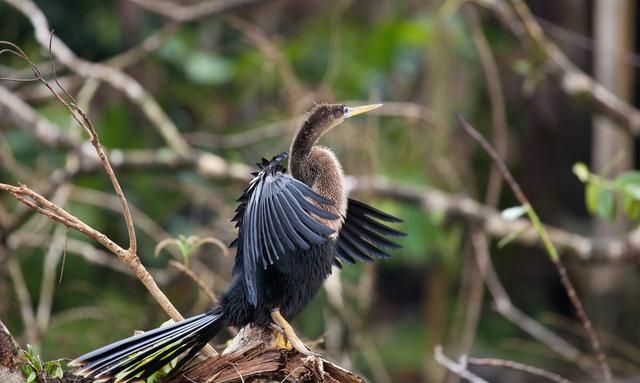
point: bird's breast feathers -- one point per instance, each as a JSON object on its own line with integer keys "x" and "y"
{"x": 328, "y": 181}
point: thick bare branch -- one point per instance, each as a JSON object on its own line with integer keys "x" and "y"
{"x": 464, "y": 209}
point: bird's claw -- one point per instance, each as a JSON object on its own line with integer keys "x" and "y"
{"x": 280, "y": 340}
{"x": 291, "y": 340}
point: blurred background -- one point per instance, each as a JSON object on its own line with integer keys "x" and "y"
{"x": 550, "y": 84}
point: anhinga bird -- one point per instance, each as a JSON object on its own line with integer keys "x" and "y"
{"x": 291, "y": 230}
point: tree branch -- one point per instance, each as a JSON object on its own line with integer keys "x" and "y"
{"x": 459, "y": 368}
{"x": 184, "y": 13}
{"x": 504, "y": 306}
{"x": 49, "y": 209}
{"x": 549, "y": 247}
{"x": 573, "y": 81}
{"x": 519, "y": 367}
{"x": 114, "y": 77}
{"x": 38, "y": 126}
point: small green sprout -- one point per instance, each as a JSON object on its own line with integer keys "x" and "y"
{"x": 188, "y": 245}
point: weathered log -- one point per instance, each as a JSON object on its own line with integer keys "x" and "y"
{"x": 250, "y": 356}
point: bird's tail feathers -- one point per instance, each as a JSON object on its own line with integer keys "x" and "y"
{"x": 140, "y": 356}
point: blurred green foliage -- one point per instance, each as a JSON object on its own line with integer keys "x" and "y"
{"x": 605, "y": 197}
{"x": 210, "y": 78}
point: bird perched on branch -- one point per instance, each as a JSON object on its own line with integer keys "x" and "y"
{"x": 292, "y": 228}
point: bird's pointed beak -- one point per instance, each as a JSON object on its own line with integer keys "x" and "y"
{"x": 356, "y": 110}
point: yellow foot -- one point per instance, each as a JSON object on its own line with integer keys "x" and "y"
{"x": 281, "y": 342}
{"x": 291, "y": 336}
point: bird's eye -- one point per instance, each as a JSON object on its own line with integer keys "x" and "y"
{"x": 343, "y": 110}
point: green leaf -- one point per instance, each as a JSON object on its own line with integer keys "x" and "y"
{"x": 58, "y": 373}
{"x": 53, "y": 369}
{"x": 628, "y": 178}
{"x": 33, "y": 358}
{"x": 632, "y": 190}
{"x": 49, "y": 367}
{"x": 513, "y": 213}
{"x": 32, "y": 377}
{"x": 631, "y": 207}
{"x": 600, "y": 201}
{"x": 27, "y": 369}
{"x": 581, "y": 171}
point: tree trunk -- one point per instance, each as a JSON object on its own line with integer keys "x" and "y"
{"x": 612, "y": 148}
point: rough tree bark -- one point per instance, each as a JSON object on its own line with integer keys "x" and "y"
{"x": 9, "y": 357}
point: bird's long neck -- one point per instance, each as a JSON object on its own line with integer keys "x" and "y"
{"x": 318, "y": 167}
{"x": 301, "y": 147}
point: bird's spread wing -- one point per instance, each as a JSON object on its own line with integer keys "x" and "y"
{"x": 275, "y": 218}
{"x": 363, "y": 237}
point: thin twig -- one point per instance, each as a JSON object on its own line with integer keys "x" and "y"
{"x": 25, "y": 301}
{"x": 120, "y": 61}
{"x": 45, "y": 207}
{"x": 110, "y": 202}
{"x": 48, "y": 283}
{"x": 504, "y": 306}
{"x": 191, "y": 274}
{"x": 459, "y": 368}
{"x": 548, "y": 244}
{"x": 237, "y": 140}
{"x": 295, "y": 89}
{"x": 74, "y": 246}
{"x": 471, "y": 290}
{"x": 518, "y": 366}
{"x": 41, "y": 128}
{"x": 112, "y": 76}
{"x": 496, "y": 100}
{"x": 617, "y": 344}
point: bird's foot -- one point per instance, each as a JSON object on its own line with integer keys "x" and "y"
{"x": 280, "y": 341}
{"x": 289, "y": 336}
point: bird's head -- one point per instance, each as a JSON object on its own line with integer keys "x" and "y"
{"x": 324, "y": 117}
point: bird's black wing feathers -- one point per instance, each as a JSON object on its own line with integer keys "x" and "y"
{"x": 274, "y": 218}
{"x": 364, "y": 238}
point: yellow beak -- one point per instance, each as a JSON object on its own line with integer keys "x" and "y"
{"x": 356, "y": 110}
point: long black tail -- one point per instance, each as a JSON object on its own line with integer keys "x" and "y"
{"x": 140, "y": 356}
